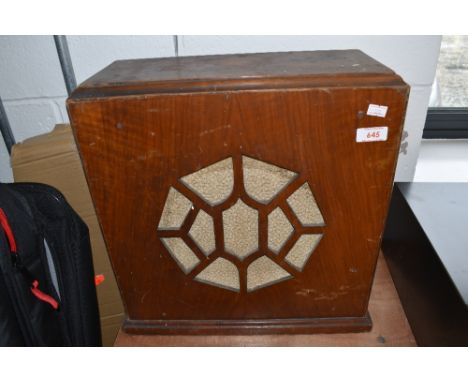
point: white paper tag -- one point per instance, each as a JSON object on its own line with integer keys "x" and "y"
{"x": 377, "y": 110}
{"x": 372, "y": 134}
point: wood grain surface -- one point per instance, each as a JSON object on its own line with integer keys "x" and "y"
{"x": 237, "y": 72}
{"x": 390, "y": 328}
{"x": 134, "y": 148}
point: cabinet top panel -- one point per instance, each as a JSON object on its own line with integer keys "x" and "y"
{"x": 237, "y": 72}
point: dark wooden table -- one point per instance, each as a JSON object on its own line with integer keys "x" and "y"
{"x": 426, "y": 247}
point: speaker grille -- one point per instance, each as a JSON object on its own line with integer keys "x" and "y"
{"x": 181, "y": 253}
{"x": 264, "y": 272}
{"x": 221, "y": 273}
{"x": 263, "y": 181}
{"x": 304, "y": 206}
{"x": 240, "y": 225}
{"x": 202, "y": 232}
{"x": 238, "y": 236}
{"x": 303, "y": 248}
{"x": 175, "y": 211}
{"x": 279, "y": 230}
{"x": 213, "y": 183}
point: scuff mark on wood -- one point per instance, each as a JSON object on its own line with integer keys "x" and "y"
{"x": 215, "y": 129}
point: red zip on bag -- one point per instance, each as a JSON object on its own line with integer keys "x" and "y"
{"x": 13, "y": 249}
{"x": 8, "y": 232}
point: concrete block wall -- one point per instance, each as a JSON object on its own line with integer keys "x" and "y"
{"x": 33, "y": 90}
{"x": 32, "y": 85}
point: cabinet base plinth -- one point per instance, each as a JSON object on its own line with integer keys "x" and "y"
{"x": 250, "y": 327}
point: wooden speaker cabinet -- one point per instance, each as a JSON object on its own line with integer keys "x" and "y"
{"x": 242, "y": 193}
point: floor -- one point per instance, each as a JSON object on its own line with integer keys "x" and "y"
{"x": 390, "y": 328}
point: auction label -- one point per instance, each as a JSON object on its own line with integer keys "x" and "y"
{"x": 372, "y": 134}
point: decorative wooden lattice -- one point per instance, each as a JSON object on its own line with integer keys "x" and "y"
{"x": 241, "y": 224}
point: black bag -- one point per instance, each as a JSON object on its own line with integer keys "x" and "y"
{"x": 47, "y": 290}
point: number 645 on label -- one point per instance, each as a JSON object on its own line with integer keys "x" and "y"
{"x": 372, "y": 134}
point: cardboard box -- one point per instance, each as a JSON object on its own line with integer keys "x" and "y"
{"x": 53, "y": 159}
